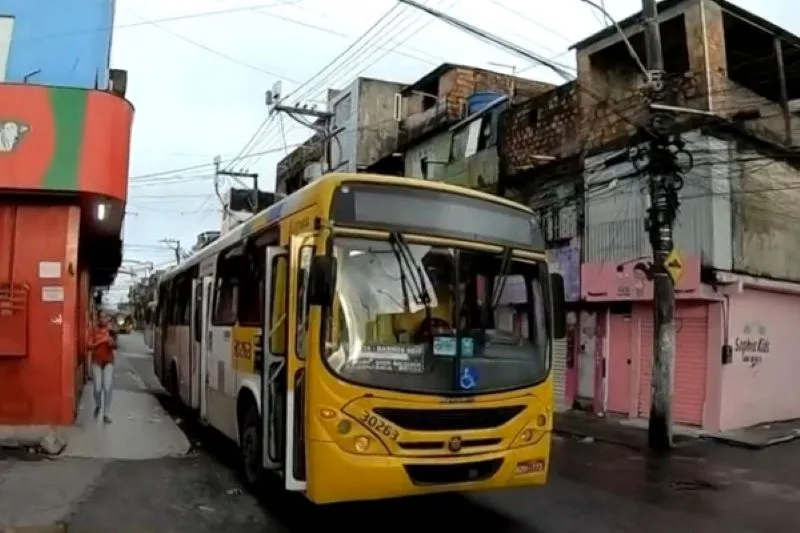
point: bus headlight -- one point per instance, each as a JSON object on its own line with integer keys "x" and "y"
{"x": 533, "y": 432}
{"x": 361, "y": 444}
{"x": 528, "y": 436}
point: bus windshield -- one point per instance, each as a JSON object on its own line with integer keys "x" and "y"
{"x": 436, "y": 320}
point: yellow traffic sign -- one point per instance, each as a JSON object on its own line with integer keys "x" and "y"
{"x": 674, "y": 265}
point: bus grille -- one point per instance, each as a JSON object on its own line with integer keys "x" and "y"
{"x": 440, "y": 445}
{"x": 459, "y": 473}
{"x": 449, "y": 419}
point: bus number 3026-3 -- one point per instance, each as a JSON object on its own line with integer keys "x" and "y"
{"x": 379, "y": 426}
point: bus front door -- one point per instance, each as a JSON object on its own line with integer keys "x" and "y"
{"x": 302, "y": 252}
{"x": 196, "y": 383}
{"x": 273, "y": 368}
{"x": 205, "y": 346}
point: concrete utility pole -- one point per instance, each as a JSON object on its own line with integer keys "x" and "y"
{"x": 664, "y": 182}
{"x": 250, "y": 175}
{"x": 175, "y": 245}
{"x": 326, "y": 130}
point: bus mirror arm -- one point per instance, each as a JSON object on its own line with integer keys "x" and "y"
{"x": 559, "y": 306}
{"x": 321, "y": 280}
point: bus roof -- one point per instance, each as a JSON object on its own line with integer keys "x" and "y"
{"x": 322, "y": 187}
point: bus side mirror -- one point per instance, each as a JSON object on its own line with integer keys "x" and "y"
{"x": 559, "y": 306}
{"x": 321, "y": 280}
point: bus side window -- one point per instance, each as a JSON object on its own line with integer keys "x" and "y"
{"x": 251, "y": 289}
{"x": 163, "y": 307}
{"x": 226, "y": 288}
{"x": 173, "y": 313}
{"x": 198, "y": 314}
{"x": 277, "y": 319}
{"x": 185, "y": 301}
{"x": 176, "y": 307}
{"x": 306, "y": 253}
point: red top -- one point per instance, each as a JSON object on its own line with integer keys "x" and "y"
{"x": 103, "y": 353}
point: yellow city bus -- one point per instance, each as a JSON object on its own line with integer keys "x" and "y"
{"x": 371, "y": 337}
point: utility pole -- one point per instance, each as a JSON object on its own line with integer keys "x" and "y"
{"x": 660, "y": 162}
{"x": 175, "y": 245}
{"x": 250, "y": 175}
{"x": 326, "y": 130}
{"x": 664, "y": 182}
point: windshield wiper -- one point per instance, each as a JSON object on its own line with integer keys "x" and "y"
{"x": 403, "y": 278}
{"x": 502, "y": 277}
{"x": 405, "y": 260}
{"x": 408, "y": 271}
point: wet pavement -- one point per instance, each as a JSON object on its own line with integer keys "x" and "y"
{"x": 594, "y": 488}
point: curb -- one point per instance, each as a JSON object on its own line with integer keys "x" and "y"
{"x": 749, "y": 445}
{"x": 51, "y": 444}
{"x": 600, "y": 438}
{"x": 681, "y": 441}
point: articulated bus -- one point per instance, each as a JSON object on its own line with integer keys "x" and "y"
{"x": 350, "y": 339}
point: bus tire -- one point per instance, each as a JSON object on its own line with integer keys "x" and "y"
{"x": 250, "y": 448}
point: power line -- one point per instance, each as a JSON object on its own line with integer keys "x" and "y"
{"x": 433, "y": 61}
{"x": 261, "y": 128}
{"x": 346, "y": 68}
{"x": 208, "y": 49}
{"x": 188, "y": 16}
{"x": 203, "y": 166}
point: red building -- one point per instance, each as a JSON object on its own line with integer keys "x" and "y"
{"x": 63, "y": 183}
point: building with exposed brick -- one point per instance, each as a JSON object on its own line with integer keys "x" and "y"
{"x": 385, "y": 119}
{"x": 739, "y": 286}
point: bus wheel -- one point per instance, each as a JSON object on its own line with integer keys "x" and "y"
{"x": 250, "y": 449}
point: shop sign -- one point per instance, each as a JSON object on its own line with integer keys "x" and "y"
{"x": 753, "y": 344}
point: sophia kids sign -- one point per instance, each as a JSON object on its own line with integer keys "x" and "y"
{"x": 753, "y": 344}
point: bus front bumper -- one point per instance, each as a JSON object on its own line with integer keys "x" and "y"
{"x": 335, "y": 475}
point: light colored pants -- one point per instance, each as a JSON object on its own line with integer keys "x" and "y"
{"x": 103, "y": 383}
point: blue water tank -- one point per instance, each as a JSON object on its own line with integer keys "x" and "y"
{"x": 479, "y": 101}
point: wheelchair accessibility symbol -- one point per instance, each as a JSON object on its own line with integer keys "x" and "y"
{"x": 469, "y": 378}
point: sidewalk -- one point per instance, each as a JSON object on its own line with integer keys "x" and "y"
{"x": 631, "y": 433}
{"x": 760, "y": 436}
{"x": 38, "y": 492}
{"x": 140, "y": 428}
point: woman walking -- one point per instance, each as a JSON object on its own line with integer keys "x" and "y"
{"x": 102, "y": 344}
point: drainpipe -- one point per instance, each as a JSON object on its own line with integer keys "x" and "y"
{"x": 705, "y": 55}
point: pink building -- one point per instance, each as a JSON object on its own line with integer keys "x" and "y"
{"x": 763, "y": 330}
{"x": 715, "y": 388}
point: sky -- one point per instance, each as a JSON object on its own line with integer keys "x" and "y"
{"x": 198, "y": 71}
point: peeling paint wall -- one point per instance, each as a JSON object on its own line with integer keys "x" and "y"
{"x": 377, "y": 129}
{"x": 616, "y": 205}
{"x": 435, "y": 150}
{"x": 766, "y": 204}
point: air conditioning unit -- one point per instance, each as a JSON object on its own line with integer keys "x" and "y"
{"x": 397, "y": 108}
{"x": 118, "y": 82}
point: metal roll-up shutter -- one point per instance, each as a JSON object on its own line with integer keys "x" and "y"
{"x": 691, "y": 363}
{"x": 560, "y": 375}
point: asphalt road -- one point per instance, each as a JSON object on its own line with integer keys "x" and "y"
{"x": 594, "y": 488}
